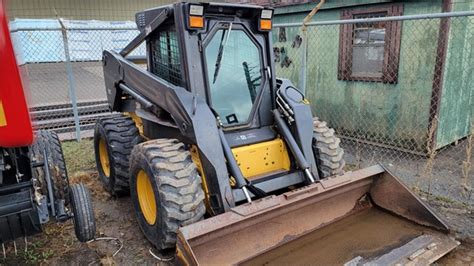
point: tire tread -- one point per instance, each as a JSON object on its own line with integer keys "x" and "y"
{"x": 84, "y": 221}
{"x": 179, "y": 185}
{"x": 122, "y": 135}
{"x": 326, "y": 146}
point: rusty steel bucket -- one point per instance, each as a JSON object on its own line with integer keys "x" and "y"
{"x": 363, "y": 217}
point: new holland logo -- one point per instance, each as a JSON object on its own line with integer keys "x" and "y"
{"x": 3, "y": 119}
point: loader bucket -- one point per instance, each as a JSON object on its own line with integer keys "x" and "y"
{"x": 363, "y": 217}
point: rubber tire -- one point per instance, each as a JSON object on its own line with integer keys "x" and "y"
{"x": 121, "y": 135}
{"x": 49, "y": 141}
{"x": 84, "y": 220}
{"x": 179, "y": 196}
{"x": 327, "y": 150}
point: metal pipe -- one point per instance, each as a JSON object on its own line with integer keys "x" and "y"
{"x": 309, "y": 175}
{"x": 137, "y": 59}
{"x": 304, "y": 59}
{"x": 71, "y": 81}
{"x": 233, "y": 167}
{"x": 73, "y": 29}
{"x": 146, "y": 104}
{"x": 297, "y": 24}
{"x": 381, "y": 19}
{"x": 246, "y": 193}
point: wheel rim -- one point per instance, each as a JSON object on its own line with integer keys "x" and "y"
{"x": 146, "y": 197}
{"x": 104, "y": 157}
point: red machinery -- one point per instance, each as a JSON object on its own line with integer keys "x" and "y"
{"x": 34, "y": 186}
{"x": 15, "y": 125}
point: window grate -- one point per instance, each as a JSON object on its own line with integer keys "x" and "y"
{"x": 166, "y": 58}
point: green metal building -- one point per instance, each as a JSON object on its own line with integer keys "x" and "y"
{"x": 412, "y": 90}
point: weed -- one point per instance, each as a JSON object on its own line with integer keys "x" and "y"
{"x": 466, "y": 165}
{"x": 428, "y": 168}
{"x": 34, "y": 257}
{"x": 35, "y": 253}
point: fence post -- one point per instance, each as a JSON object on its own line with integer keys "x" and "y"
{"x": 71, "y": 81}
{"x": 302, "y": 83}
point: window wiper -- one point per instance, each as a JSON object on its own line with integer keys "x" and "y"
{"x": 224, "y": 40}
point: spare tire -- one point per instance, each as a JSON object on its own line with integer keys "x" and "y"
{"x": 49, "y": 141}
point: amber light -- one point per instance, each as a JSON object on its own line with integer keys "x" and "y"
{"x": 265, "y": 24}
{"x": 196, "y": 22}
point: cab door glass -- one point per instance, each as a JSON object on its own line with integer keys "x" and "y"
{"x": 234, "y": 74}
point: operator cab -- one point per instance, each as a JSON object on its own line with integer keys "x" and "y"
{"x": 233, "y": 55}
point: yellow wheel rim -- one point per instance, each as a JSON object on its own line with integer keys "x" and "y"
{"x": 146, "y": 197}
{"x": 104, "y": 157}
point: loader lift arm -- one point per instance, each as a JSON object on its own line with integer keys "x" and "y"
{"x": 190, "y": 113}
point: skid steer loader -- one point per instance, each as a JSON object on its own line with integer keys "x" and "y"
{"x": 225, "y": 163}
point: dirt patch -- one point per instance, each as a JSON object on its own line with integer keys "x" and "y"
{"x": 115, "y": 218}
{"x": 460, "y": 218}
{"x": 444, "y": 176}
{"x": 91, "y": 180}
{"x": 463, "y": 255}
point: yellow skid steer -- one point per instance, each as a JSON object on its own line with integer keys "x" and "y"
{"x": 225, "y": 163}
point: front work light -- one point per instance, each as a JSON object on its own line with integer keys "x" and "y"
{"x": 265, "y": 23}
{"x": 196, "y": 19}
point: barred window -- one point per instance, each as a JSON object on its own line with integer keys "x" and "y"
{"x": 166, "y": 62}
{"x": 370, "y": 51}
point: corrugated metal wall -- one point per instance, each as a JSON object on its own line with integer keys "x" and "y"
{"x": 393, "y": 112}
{"x": 456, "y": 115}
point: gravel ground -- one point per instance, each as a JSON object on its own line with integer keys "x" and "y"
{"x": 442, "y": 177}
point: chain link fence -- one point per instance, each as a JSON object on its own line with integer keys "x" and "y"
{"x": 63, "y": 64}
{"x": 397, "y": 90}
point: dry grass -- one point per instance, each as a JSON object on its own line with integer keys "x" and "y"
{"x": 466, "y": 166}
{"x": 427, "y": 170}
{"x": 91, "y": 180}
{"x": 79, "y": 156}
